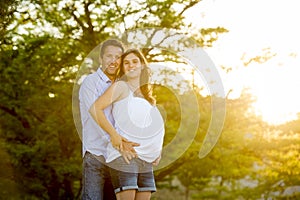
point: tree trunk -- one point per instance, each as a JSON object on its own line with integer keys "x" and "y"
{"x": 187, "y": 193}
{"x": 68, "y": 192}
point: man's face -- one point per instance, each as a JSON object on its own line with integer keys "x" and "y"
{"x": 111, "y": 60}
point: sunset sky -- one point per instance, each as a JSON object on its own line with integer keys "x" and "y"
{"x": 255, "y": 28}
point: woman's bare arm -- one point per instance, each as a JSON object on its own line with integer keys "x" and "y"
{"x": 115, "y": 92}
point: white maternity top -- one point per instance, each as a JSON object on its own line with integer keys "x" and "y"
{"x": 138, "y": 121}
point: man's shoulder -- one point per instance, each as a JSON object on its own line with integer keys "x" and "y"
{"x": 90, "y": 78}
{"x": 88, "y": 83}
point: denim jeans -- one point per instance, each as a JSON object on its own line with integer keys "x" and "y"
{"x": 96, "y": 179}
{"x": 138, "y": 175}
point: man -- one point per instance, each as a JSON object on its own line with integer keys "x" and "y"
{"x": 95, "y": 176}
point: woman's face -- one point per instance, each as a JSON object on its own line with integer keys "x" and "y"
{"x": 132, "y": 66}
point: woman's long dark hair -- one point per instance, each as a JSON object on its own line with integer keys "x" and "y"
{"x": 145, "y": 86}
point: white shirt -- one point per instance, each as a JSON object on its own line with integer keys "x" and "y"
{"x": 138, "y": 121}
{"x": 94, "y": 138}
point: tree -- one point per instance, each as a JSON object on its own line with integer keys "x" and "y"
{"x": 42, "y": 46}
{"x": 279, "y": 160}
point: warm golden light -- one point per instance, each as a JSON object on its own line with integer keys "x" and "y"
{"x": 276, "y": 88}
{"x": 253, "y": 26}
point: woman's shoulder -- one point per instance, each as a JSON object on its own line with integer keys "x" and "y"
{"x": 121, "y": 88}
{"x": 120, "y": 85}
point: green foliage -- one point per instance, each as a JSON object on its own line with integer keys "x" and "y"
{"x": 40, "y": 137}
{"x": 42, "y": 44}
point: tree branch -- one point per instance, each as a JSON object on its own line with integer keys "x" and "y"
{"x": 191, "y": 4}
{"x": 13, "y": 113}
{"x": 87, "y": 14}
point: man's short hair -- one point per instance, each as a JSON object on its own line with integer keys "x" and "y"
{"x": 110, "y": 42}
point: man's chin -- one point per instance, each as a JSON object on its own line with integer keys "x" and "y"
{"x": 111, "y": 72}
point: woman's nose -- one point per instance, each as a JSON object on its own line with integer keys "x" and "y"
{"x": 131, "y": 65}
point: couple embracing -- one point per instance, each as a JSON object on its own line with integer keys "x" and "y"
{"x": 122, "y": 129}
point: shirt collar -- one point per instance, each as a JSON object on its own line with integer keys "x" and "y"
{"x": 103, "y": 76}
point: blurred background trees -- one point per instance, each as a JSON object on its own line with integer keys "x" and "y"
{"x": 43, "y": 44}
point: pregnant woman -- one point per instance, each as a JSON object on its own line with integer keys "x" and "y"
{"x": 138, "y": 120}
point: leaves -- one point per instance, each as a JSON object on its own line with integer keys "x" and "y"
{"x": 42, "y": 46}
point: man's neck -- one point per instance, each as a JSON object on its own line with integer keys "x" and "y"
{"x": 111, "y": 77}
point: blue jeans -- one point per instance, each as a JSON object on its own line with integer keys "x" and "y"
{"x": 138, "y": 175}
{"x": 96, "y": 179}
